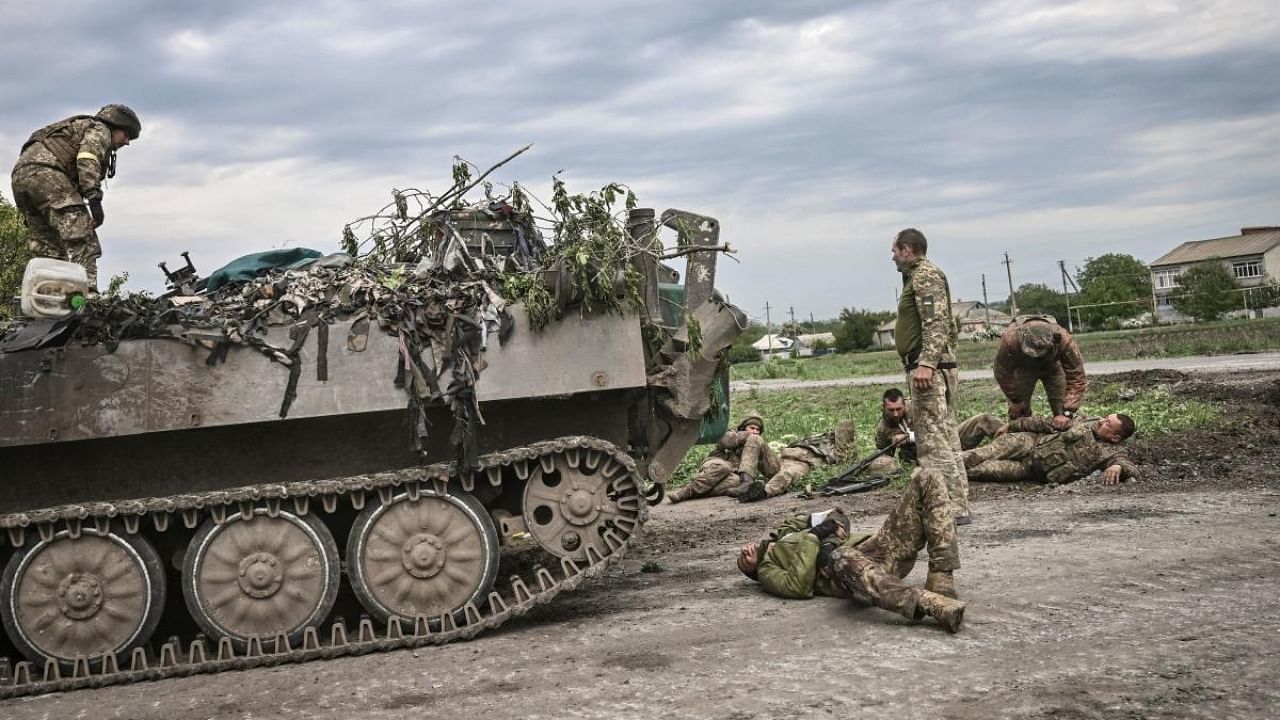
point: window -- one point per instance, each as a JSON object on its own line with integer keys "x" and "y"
{"x": 1167, "y": 278}
{"x": 1246, "y": 269}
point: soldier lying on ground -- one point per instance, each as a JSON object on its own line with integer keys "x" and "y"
{"x": 802, "y": 456}
{"x": 1034, "y": 348}
{"x": 740, "y": 457}
{"x": 803, "y": 558}
{"x": 893, "y": 426}
{"x": 1030, "y": 449}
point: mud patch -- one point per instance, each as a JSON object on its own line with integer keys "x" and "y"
{"x": 404, "y": 701}
{"x": 1119, "y": 514}
{"x": 643, "y": 660}
{"x": 1002, "y": 536}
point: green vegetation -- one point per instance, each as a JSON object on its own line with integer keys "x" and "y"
{"x": 1114, "y": 278}
{"x": 1040, "y": 299}
{"x": 1208, "y": 291}
{"x": 1219, "y": 338}
{"x": 793, "y": 414}
{"x": 13, "y": 255}
{"x": 857, "y": 329}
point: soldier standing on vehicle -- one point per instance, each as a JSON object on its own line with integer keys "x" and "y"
{"x": 801, "y": 457}
{"x": 57, "y": 183}
{"x": 738, "y": 459}
{"x": 1035, "y": 348}
{"x": 925, "y": 335}
{"x": 810, "y": 556}
{"x": 1030, "y": 449}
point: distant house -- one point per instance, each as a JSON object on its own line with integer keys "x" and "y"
{"x": 1253, "y": 257}
{"x": 771, "y": 346}
{"x": 806, "y": 344}
{"x": 972, "y": 316}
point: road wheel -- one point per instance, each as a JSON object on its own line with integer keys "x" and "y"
{"x": 428, "y": 556}
{"x": 95, "y": 594}
{"x": 260, "y": 577}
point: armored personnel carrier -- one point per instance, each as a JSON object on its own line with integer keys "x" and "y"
{"x": 336, "y": 484}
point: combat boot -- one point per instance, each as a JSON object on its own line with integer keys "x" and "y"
{"x": 942, "y": 583}
{"x": 676, "y": 496}
{"x": 949, "y": 613}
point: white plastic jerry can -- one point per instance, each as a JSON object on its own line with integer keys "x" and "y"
{"x": 53, "y": 288}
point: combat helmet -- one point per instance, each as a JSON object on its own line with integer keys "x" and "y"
{"x": 121, "y": 116}
{"x": 751, "y": 418}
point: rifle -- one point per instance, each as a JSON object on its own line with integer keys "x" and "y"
{"x": 843, "y": 484}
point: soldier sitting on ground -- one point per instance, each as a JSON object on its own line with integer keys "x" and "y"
{"x": 804, "y": 558}
{"x": 1029, "y": 449}
{"x": 739, "y": 458}
{"x": 799, "y": 458}
{"x": 894, "y": 428}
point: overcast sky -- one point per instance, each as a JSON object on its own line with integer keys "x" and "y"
{"x": 812, "y": 130}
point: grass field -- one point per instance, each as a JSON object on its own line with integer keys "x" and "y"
{"x": 792, "y": 414}
{"x": 1221, "y": 338}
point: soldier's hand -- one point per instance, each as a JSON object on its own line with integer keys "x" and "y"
{"x": 1111, "y": 475}
{"x": 1061, "y": 422}
{"x": 922, "y": 379}
{"x": 95, "y": 210}
{"x": 1003, "y": 429}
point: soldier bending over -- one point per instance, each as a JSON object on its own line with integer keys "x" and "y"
{"x": 801, "y": 559}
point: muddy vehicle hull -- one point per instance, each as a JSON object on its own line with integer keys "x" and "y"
{"x": 167, "y": 512}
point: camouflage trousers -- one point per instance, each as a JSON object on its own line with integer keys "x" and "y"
{"x": 933, "y": 417}
{"x": 872, "y": 571}
{"x": 1024, "y": 381}
{"x": 57, "y": 219}
{"x": 1006, "y": 459}
{"x": 978, "y": 428}
{"x": 718, "y": 476}
{"x": 882, "y": 466}
{"x": 796, "y": 463}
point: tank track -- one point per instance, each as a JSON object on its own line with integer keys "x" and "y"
{"x": 174, "y": 658}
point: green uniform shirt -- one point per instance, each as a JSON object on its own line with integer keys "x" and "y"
{"x": 924, "y": 324}
{"x": 789, "y": 568}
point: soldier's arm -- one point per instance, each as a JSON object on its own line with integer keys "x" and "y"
{"x": 790, "y": 567}
{"x": 1031, "y": 424}
{"x": 91, "y": 157}
{"x": 1006, "y": 361}
{"x": 1073, "y": 367}
{"x": 1118, "y": 467}
{"x": 884, "y": 437}
{"x": 931, "y": 302}
{"x": 769, "y": 463}
{"x": 732, "y": 440}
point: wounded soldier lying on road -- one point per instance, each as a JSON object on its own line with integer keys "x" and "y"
{"x": 1029, "y": 449}
{"x": 803, "y": 558}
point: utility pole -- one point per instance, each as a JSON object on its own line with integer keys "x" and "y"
{"x": 768, "y": 329}
{"x": 985, "y": 306}
{"x": 1013, "y": 301}
{"x": 792, "y": 310}
{"x": 1062, "y": 267}
{"x": 813, "y": 324}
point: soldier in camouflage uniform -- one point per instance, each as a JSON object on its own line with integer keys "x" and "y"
{"x": 1034, "y": 348}
{"x": 804, "y": 558}
{"x": 1032, "y": 450}
{"x": 57, "y": 183}
{"x": 925, "y": 335}
{"x": 802, "y": 456}
{"x": 893, "y": 428}
{"x": 739, "y": 458}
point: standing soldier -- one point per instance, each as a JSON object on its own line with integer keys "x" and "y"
{"x": 802, "y": 456}
{"x": 925, "y": 335}
{"x": 1036, "y": 348}
{"x": 57, "y": 183}
{"x": 739, "y": 458}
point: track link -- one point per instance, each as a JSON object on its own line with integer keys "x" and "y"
{"x": 176, "y": 658}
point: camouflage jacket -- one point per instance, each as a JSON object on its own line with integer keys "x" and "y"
{"x": 1072, "y": 453}
{"x": 79, "y": 146}
{"x": 789, "y": 568}
{"x": 925, "y": 332}
{"x": 1010, "y": 361}
{"x": 884, "y": 437}
{"x": 729, "y": 447}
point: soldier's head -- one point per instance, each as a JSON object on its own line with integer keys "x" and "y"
{"x": 124, "y": 123}
{"x": 893, "y": 405}
{"x": 1115, "y": 428}
{"x": 909, "y": 245}
{"x": 1037, "y": 338}
{"x": 749, "y": 557}
{"x": 752, "y": 422}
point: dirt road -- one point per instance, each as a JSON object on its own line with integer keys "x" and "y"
{"x": 1156, "y": 599}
